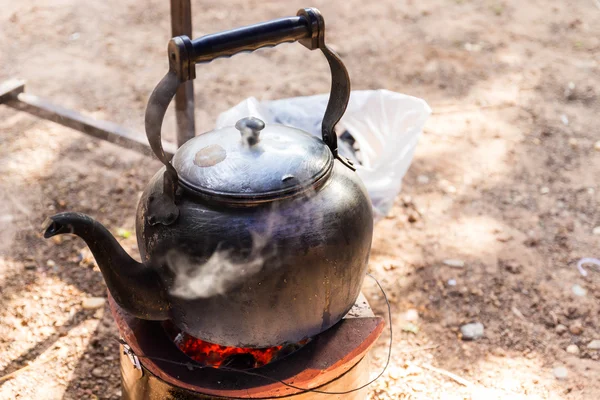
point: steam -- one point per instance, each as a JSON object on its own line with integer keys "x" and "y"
{"x": 226, "y": 268}
{"x": 220, "y": 273}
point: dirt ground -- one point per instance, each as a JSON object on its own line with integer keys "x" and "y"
{"x": 504, "y": 182}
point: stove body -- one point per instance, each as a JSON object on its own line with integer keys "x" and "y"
{"x": 337, "y": 360}
{"x": 143, "y": 384}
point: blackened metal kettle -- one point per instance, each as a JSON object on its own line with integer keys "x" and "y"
{"x": 250, "y": 236}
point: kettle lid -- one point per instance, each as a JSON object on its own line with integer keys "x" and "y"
{"x": 252, "y": 161}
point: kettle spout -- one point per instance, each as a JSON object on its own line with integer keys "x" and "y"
{"x": 135, "y": 287}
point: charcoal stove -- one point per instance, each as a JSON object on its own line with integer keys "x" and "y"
{"x": 336, "y": 361}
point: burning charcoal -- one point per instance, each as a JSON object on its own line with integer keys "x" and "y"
{"x": 217, "y": 356}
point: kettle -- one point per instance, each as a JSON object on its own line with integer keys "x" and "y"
{"x": 256, "y": 235}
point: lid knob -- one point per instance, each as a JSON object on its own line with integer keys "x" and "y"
{"x": 250, "y": 128}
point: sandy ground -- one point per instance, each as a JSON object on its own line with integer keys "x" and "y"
{"x": 504, "y": 180}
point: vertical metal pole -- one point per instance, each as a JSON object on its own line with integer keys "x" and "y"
{"x": 181, "y": 24}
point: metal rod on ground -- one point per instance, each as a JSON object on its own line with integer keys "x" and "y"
{"x": 12, "y": 94}
{"x": 181, "y": 24}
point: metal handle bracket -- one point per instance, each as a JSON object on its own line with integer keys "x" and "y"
{"x": 307, "y": 27}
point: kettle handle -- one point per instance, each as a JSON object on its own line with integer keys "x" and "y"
{"x": 307, "y": 27}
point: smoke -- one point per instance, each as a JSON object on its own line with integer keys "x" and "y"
{"x": 220, "y": 273}
{"x": 225, "y": 269}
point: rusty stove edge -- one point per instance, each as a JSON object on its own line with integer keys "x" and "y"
{"x": 309, "y": 378}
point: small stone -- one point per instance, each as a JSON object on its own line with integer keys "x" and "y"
{"x": 454, "y": 263}
{"x": 597, "y": 146}
{"x": 411, "y": 315}
{"x": 472, "y": 331}
{"x": 447, "y": 187}
{"x": 573, "y": 142}
{"x": 576, "y": 328}
{"x": 594, "y": 344}
{"x": 564, "y": 119}
{"x": 99, "y": 313}
{"x": 410, "y": 328}
{"x": 560, "y": 329}
{"x": 560, "y": 372}
{"x": 596, "y": 230}
{"x": 423, "y": 179}
{"x": 572, "y": 349}
{"x": 407, "y": 201}
{"x": 518, "y": 313}
{"x": 450, "y": 189}
{"x": 451, "y": 282}
{"x": 92, "y": 303}
{"x": 578, "y": 290}
{"x": 50, "y": 263}
{"x": 473, "y": 47}
{"x": 544, "y": 190}
{"x": 499, "y": 352}
{"x": 570, "y": 91}
{"x": 98, "y": 373}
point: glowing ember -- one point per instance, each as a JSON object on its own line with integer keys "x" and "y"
{"x": 217, "y": 356}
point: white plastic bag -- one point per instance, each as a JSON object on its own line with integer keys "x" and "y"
{"x": 385, "y": 125}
